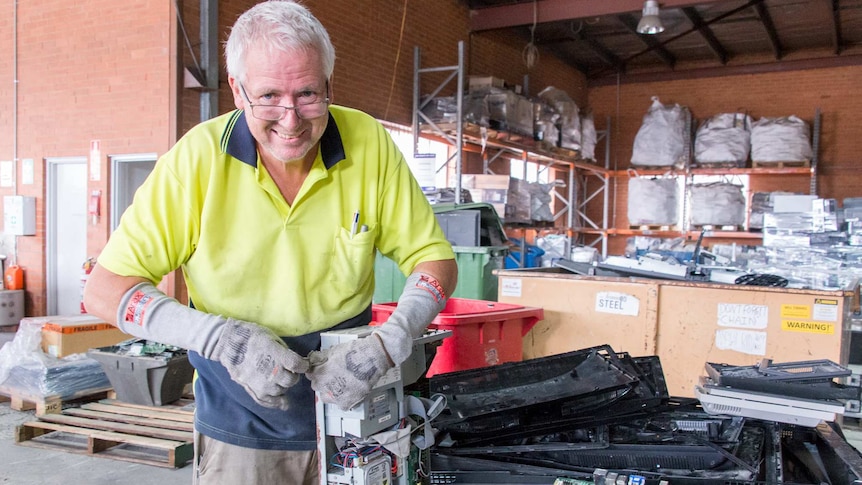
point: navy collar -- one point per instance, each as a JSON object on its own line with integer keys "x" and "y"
{"x": 238, "y": 142}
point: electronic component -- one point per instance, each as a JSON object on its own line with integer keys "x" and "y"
{"x": 356, "y": 446}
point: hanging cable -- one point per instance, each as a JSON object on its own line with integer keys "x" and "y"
{"x": 531, "y": 52}
{"x": 397, "y": 56}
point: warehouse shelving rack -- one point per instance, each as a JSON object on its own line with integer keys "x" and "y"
{"x": 585, "y": 181}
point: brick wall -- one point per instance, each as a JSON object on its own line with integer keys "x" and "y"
{"x": 84, "y": 73}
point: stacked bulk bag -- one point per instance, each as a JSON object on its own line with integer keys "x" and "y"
{"x": 663, "y": 139}
{"x": 785, "y": 139}
{"x": 653, "y": 201}
{"x": 723, "y": 139}
{"x": 717, "y": 204}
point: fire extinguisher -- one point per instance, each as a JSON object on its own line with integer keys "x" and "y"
{"x": 87, "y": 268}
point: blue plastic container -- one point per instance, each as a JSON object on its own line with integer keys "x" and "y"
{"x": 533, "y": 257}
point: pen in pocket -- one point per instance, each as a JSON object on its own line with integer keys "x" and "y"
{"x": 355, "y": 223}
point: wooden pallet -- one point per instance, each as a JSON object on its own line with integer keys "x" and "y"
{"x": 655, "y": 227}
{"x": 718, "y": 165}
{"x": 160, "y": 436}
{"x": 22, "y": 401}
{"x": 565, "y": 152}
{"x": 717, "y": 228}
{"x": 785, "y": 164}
{"x": 478, "y": 133}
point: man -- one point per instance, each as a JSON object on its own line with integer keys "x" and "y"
{"x": 274, "y": 212}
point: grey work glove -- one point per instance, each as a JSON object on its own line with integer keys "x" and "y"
{"x": 420, "y": 302}
{"x": 254, "y": 356}
{"x": 345, "y": 373}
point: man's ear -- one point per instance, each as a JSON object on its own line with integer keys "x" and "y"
{"x": 238, "y": 100}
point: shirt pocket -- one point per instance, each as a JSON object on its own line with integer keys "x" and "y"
{"x": 353, "y": 260}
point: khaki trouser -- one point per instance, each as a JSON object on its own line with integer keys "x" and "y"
{"x": 218, "y": 463}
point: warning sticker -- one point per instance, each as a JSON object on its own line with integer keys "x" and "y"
{"x": 796, "y": 311}
{"x": 808, "y": 327}
{"x": 825, "y": 309}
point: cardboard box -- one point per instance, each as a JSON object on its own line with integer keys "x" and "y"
{"x": 66, "y": 335}
{"x": 476, "y": 83}
{"x": 484, "y": 181}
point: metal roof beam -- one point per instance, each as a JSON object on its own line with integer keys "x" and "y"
{"x": 769, "y": 26}
{"x": 707, "y": 34}
{"x": 521, "y": 14}
{"x": 837, "y": 38}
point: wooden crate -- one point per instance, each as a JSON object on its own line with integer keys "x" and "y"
{"x": 686, "y": 324}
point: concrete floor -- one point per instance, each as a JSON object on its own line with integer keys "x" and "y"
{"x": 22, "y": 465}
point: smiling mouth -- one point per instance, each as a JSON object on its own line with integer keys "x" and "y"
{"x": 288, "y": 137}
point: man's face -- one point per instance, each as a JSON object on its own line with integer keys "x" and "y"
{"x": 286, "y": 79}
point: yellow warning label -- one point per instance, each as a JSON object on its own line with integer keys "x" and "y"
{"x": 796, "y": 311}
{"x": 823, "y": 301}
{"x": 809, "y": 327}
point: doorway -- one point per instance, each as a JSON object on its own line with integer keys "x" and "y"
{"x": 66, "y": 232}
{"x": 128, "y": 172}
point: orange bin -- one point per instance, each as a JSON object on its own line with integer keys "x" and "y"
{"x": 484, "y": 332}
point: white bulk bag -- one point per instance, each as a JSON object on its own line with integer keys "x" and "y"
{"x": 662, "y": 140}
{"x": 717, "y": 204}
{"x": 653, "y": 201}
{"x": 588, "y": 137}
{"x": 724, "y": 138}
{"x": 784, "y": 139}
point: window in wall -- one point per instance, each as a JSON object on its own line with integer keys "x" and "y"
{"x": 430, "y": 167}
{"x": 128, "y": 172}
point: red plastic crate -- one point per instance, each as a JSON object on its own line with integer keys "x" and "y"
{"x": 484, "y": 332}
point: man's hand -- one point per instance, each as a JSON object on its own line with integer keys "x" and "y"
{"x": 259, "y": 361}
{"x": 345, "y": 373}
{"x": 253, "y": 355}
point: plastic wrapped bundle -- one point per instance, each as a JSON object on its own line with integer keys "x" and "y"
{"x": 26, "y": 370}
{"x": 784, "y": 139}
{"x": 588, "y": 137}
{"x": 569, "y": 121}
{"x": 662, "y": 140}
{"x": 653, "y": 201}
{"x": 717, "y": 204}
{"x": 723, "y": 139}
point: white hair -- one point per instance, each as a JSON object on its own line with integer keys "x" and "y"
{"x": 282, "y": 25}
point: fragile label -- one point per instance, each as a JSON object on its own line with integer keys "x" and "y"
{"x": 796, "y": 311}
{"x": 808, "y": 327}
{"x": 825, "y": 310}
{"x": 617, "y": 303}
{"x": 742, "y": 316}
{"x": 745, "y": 341}
{"x": 510, "y": 287}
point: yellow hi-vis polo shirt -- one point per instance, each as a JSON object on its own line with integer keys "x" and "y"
{"x": 211, "y": 208}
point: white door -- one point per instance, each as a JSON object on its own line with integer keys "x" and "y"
{"x": 66, "y": 232}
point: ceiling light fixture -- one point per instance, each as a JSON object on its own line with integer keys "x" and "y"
{"x": 650, "y": 22}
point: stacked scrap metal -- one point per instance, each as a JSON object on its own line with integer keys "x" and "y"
{"x": 803, "y": 393}
{"x": 600, "y": 416}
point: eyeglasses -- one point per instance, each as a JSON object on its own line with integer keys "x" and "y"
{"x": 274, "y": 112}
